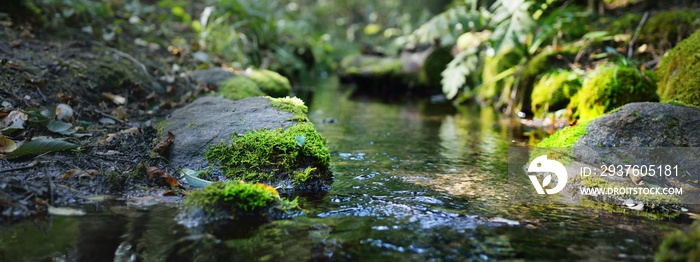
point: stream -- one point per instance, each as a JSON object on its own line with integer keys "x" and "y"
{"x": 413, "y": 181}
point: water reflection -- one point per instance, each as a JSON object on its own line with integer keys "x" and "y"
{"x": 413, "y": 181}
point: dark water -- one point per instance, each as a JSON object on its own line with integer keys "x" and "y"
{"x": 413, "y": 181}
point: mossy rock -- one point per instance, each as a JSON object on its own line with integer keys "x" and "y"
{"x": 238, "y": 201}
{"x": 681, "y": 245}
{"x": 545, "y": 61}
{"x": 240, "y": 87}
{"x": 295, "y": 157}
{"x": 367, "y": 65}
{"x": 271, "y": 83}
{"x": 256, "y": 139}
{"x": 625, "y": 24}
{"x": 554, "y": 91}
{"x": 434, "y": 64}
{"x": 610, "y": 88}
{"x": 666, "y": 29}
{"x": 678, "y": 77}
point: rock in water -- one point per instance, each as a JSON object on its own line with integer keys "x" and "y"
{"x": 253, "y": 139}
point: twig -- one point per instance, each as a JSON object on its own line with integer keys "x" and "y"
{"x": 110, "y": 117}
{"x": 127, "y": 56}
{"x": 32, "y": 164}
{"x": 630, "y": 47}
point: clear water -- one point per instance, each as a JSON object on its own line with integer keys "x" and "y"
{"x": 413, "y": 181}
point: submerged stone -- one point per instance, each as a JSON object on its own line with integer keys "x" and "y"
{"x": 236, "y": 201}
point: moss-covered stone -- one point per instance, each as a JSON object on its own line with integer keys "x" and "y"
{"x": 610, "y": 88}
{"x": 567, "y": 137}
{"x": 434, "y": 64}
{"x": 363, "y": 65}
{"x": 280, "y": 155}
{"x": 240, "y": 87}
{"x": 678, "y": 77}
{"x": 238, "y": 200}
{"x": 666, "y": 29}
{"x": 681, "y": 245}
{"x": 271, "y": 83}
{"x": 293, "y": 105}
{"x": 554, "y": 91}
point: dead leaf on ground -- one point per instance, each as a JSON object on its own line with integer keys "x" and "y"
{"x": 79, "y": 173}
{"x": 7, "y": 145}
{"x": 109, "y": 137}
{"x": 64, "y": 112}
{"x": 154, "y": 172}
{"x": 164, "y": 144}
{"x": 117, "y": 99}
{"x": 120, "y": 113}
{"x": 13, "y": 120}
{"x": 170, "y": 193}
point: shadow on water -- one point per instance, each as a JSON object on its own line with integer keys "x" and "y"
{"x": 413, "y": 181}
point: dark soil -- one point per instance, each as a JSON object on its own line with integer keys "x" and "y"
{"x": 41, "y": 67}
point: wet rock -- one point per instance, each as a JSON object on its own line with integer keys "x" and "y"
{"x": 259, "y": 139}
{"x": 645, "y": 134}
{"x": 649, "y": 125}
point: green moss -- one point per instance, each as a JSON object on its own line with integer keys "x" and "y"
{"x": 567, "y": 137}
{"x": 293, "y": 105}
{"x": 234, "y": 196}
{"x": 271, "y": 83}
{"x": 681, "y": 245}
{"x": 279, "y": 152}
{"x": 434, "y": 64}
{"x": 554, "y": 91}
{"x": 625, "y": 24}
{"x": 160, "y": 128}
{"x": 370, "y": 65}
{"x": 302, "y": 176}
{"x": 666, "y": 29}
{"x": 678, "y": 72}
{"x": 611, "y": 88}
{"x": 240, "y": 87}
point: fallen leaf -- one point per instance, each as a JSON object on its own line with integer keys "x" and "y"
{"x": 120, "y": 113}
{"x": 7, "y": 145}
{"x": 13, "y": 121}
{"x": 40, "y": 201}
{"x": 63, "y": 112}
{"x": 170, "y": 193}
{"x": 41, "y": 146}
{"x": 65, "y": 211}
{"x": 63, "y": 97}
{"x": 117, "y": 99}
{"x": 130, "y": 131}
{"x": 154, "y": 172}
{"x": 60, "y": 127}
{"x": 164, "y": 144}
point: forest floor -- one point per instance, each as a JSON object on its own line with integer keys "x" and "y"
{"x": 97, "y": 99}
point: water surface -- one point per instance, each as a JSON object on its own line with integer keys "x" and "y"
{"x": 413, "y": 181}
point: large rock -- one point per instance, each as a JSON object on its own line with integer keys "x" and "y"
{"x": 265, "y": 140}
{"x": 209, "y": 120}
{"x": 647, "y": 134}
